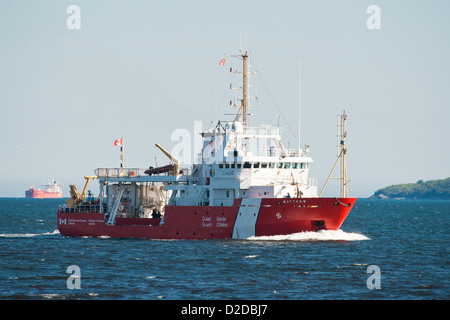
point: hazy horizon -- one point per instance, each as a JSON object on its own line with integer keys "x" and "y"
{"x": 144, "y": 69}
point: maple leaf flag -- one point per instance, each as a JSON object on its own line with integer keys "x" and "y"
{"x": 118, "y": 142}
{"x": 222, "y": 62}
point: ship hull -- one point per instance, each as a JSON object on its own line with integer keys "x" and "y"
{"x": 246, "y": 218}
{"x": 39, "y": 194}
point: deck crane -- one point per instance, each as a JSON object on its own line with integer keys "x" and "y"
{"x": 75, "y": 197}
{"x": 176, "y": 163}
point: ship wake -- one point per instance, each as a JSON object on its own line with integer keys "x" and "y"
{"x": 322, "y": 235}
{"x": 27, "y": 235}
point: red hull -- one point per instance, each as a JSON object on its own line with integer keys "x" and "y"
{"x": 39, "y": 194}
{"x": 248, "y": 217}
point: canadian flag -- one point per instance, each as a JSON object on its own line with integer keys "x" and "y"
{"x": 118, "y": 142}
{"x": 222, "y": 62}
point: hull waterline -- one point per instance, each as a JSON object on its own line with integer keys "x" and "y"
{"x": 250, "y": 217}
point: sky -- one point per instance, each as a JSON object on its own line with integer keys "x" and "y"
{"x": 144, "y": 69}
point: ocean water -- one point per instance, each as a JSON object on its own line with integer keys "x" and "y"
{"x": 406, "y": 241}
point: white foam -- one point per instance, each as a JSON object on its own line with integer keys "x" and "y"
{"x": 322, "y": 235}
{"x": 27, "y": 235}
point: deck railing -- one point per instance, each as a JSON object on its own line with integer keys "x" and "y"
{"x": 84, "y": 208}
{"x": 119, "y": 172}
{"x": 129, "y": 172}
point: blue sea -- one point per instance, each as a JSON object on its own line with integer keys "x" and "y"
{"x": 386, "y": 249}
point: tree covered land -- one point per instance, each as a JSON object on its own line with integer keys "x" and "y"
{"x": 433, "y": 189}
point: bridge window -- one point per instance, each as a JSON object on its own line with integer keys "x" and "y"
{"x": 279, "y": 165}
{"x": 247, "y": 165}
{"x": 294, "y": 165}
{"x": 256, "y": 165}
{"x": 287, "y": 165}
{"x": 271, "y": 165}
{"x": 263, "y": 165}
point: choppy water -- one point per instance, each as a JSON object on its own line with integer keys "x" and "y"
{"x": 407, "y": 239}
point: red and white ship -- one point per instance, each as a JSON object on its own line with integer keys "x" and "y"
{"x": 52, "y": 190}
{"x": 245, "y": 184}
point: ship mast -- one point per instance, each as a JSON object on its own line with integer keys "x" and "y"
{"x": 246, "y": 95}
{"x": 341, "y": 138}
{"x": 342, "y": 150}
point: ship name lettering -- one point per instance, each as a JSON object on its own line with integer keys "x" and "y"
{"x": 221, "y": 225}
{"x": 294, "y": 201}
{"x": 206, "y": 218}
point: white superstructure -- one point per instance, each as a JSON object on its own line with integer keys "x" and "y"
{"x": 253, "y": 164}
{"x": 53, "y": 186}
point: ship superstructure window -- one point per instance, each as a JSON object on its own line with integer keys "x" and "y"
{"x": 263, "y": 165}
{"x": 304, "y": 165}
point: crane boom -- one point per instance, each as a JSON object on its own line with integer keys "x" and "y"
{"x": 88, "y": 179}
{"x": 176, "y": 168}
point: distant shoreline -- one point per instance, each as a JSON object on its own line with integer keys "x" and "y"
{"x": 421, "y": 190}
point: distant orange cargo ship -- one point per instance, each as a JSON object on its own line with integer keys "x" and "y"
{"x": 53, "y": 190}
